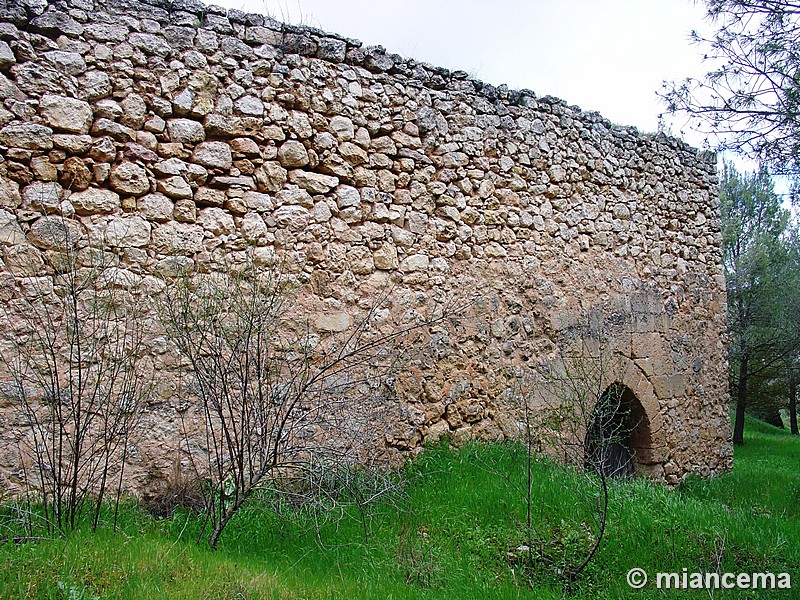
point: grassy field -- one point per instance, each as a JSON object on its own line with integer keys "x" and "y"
{"x": 455, "y": 535}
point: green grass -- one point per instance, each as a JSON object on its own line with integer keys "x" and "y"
{"x": 455, "y": 536}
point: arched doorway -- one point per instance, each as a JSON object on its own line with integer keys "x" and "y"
{"x": 618, "y": 440}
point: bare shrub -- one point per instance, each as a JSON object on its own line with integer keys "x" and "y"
{"x": 575, "y": 409}
{"x": 72, "y": 356}
{"x": 277, "y": 397}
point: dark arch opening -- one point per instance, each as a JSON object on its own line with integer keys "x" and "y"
{"x": 618, "y": 441}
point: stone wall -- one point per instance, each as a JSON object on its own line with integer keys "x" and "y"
{"x": 178, "y": 135}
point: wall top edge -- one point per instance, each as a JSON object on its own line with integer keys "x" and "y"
{"x": 67, "y": 16}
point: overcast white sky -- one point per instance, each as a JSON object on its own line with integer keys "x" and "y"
{"x": 604, "y": 55}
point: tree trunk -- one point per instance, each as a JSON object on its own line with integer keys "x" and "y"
{"x": 793, "y": 404}
{"x": 741, "y": 402}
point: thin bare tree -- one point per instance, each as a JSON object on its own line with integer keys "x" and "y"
{"x": 575, "y": 409}
{"x": 278, "y": 399}
{"x": 73, "y": 357}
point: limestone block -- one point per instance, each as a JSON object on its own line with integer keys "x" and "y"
{"x": 67, "y": 114}
{"x": 185, "y": 211}
{"x": 557, "y": 173}
{"x": 292, "y": 154}
{"x": 186, "y": 131}
{"x": 177, "y": 238}
{"x": 155, "y": 207}
{"x": 69, "y": 63}
{"x": 314, "y": 183}
{"x": 127, "y": 232}
{"x": 75, "y": 175}
{"x": 55, "y": 22}
{"x": 253, "y": 228}
{"x": 30, "y": 136}
{"x": 292, "y": 217}
{"x": 359, "y": 259}
{"x": 73, "y": 144}
{"x": 210, "y": 197}
{"x": 213, "y": 154}
{"x": 342, "y": 128}
{"x": 54, "y": 233}
{"x": 171, "y": 166}
{"x": 216, "y": 220}
{"x": 175, "y": 187}
{"x": 385, "y": 257}
{"x": 294, "y": 195}
{"x": 415, "y": 262}
{"x": 134, "y": 111}
{"x": 95, "y": 85}
{"x": 271, "y": 177}
{"x": 10, "y": 197}
{"x": 43, "y": 196}
{"x": 7, "y": 57}
{"x": 10, "y": 231}
{"x": 129, "y": 178}
{"x": 23, "y": 259}
{"x": 257, "y": 201}
{"x": 322, "y": 212}
{"x": 95, "y": 200}
{"x": 249, "y": 105}
{"x": 436, "y": 431}
{"x": 333, "y": 322}
{"x": 347, "y": 196}
{"x": 150, "y": 44}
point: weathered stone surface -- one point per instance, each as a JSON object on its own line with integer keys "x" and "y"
{"x": 415, "y": 262}
{"x": 254, "y": 229}
{"x": 186, "y": 131}
{"x": 10, "y": 198}
{"x": 360, "y": 174}
{"x": 249, "y": 105}
{"x": 10, "y": 231}
{"x": 94, "y": 85}
{"x": 210, "y": 197}
{"x": 293, "y": 154}
{"x": 75, "y": 175}
{"x": 271, "y": 177}
{"x": 333, "y": 322}
{"x": 70, "y": 63}
{"x": 129, "y": 178}
{"x": 314, "y": 183}
{"x": 291, "y": 217}
{"x": 95, "y": 200}
{"x": 177, "y": 238}
{"x": 385, "y": 257}
{"x": 54, "y": 233}
{"x": 213, "y": 154}
{"x": 258, "y": 201}
{"x": 55, "y": 22}
{"x": 342, "y": 128}
{"x": 27, "y": 135}
{"x": 155, "y": 207}
{"x": 359, "y": 259}
{"x": 137, "y": 152}
{"x": 7, "y": 57}
{"x": 73, "y": 144}
{"x": 347, "y": 196}
{"x": 185, "y": 211}
{"x": 44, "y": 196}
{"x": 128, "y": 232}
{"x": 216, "y": 220}
{"x": 175, "y": 187}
